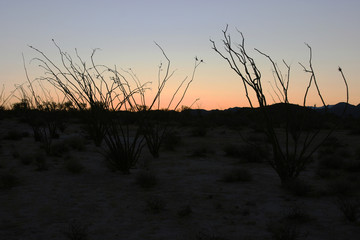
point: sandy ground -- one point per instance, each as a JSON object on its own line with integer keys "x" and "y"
{"x": 194, "y": 202}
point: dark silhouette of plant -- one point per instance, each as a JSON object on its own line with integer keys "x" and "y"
{"x": 293, "y": 152}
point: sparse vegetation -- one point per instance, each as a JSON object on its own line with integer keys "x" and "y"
{"x": 146, "y": 179}
{"x": 8, "y": 180}
{"x": 237, "y": 175}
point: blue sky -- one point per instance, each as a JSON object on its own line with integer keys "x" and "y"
{"x": 125, "y": 32}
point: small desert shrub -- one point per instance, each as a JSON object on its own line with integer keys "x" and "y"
{"x": 296, "y": 215}
{"x": 237, "y": 175}
{"x": 155, "y": 205}
{"x": 146, "y": 179}
{"x": 73, "y": 165}
{"x": 8, "y": 180}
{"x": 343, "y": 188}
{"x": 201, "y": 151}
{"x": 184, "y": 211}
{"x": 15, "y": 135}
{"x": 327, "y": 173}
{"x": 76, "y": 231}
{"x": 26, "y": 159}
{"x": 349, "y": 207}
{"x": 171, "y": 141}
{"x": 76, "y": 143}
{"x": 331, "y": 162}
{"x": 208, "y": 236}
{"x": 298, "y": 187}
{"x": 41, "y": 162}
{"x": 283, "y": 231}
{"x": 247, "y": 153}
{"x": 199, "y": 131}
{"x": 57, "y": 149}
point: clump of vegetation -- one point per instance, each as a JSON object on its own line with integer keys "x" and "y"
{"x": 146, "y": 179}
{"x": 41, "y": 162}
{"x": 184, "y": 211}
{"x": 282, "y": 231}
{"x": 76, "y": 143}
{"x": 201, "y": 151}
{"x": 73, "y": 165}
{"x": 237, "y": 175}
{"x": 15, "y": 135}
{"x": 202, "y": 235}
{"x": 8, "y": 180}
{"x": 296, "y": 215}
{"x": 155, "y": 205}
{"x": 299, "y": 187}
{"x": 247, "y": 153}
{"x": 76, "y": 231}
{"x": 171, "y": 140}
{"x": 199, "y": 131}
{"x": 350, "y": 207}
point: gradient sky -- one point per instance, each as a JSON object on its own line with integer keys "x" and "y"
{"x": 125, "y": 32}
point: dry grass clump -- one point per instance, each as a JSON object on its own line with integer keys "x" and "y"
{"x": 247, "y": 153}
{"x": 76, "y": 231}
{"x": 146, "y": 179}
{"x": 8, "y": 180}
{"x": 237, "y": 175}
{"x": 73, "y": 165}
{"x": 171, "y": 141}
{"x": 299, "y": 188}
{"x": 350, "y": 207}
{"x": 155, "y": 205}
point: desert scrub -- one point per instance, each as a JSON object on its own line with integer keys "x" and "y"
{"x": 41, "y": 162}
{"x": 155, "y": 204}
{"x": 246, "y": 153}
{"x": 8, "y": 180}
{"x": 15, "y": 135}
{"x": 350, "y": 207}
{"x": 171, "y": 141}
{"x": 283, "y": 231}
{"x": 299, "y": 188}
{"x": 76, "y": 143}
{"x": 201, "y": 151}
{"x": 296, "y": 215}
{"x": 73, "y": 165}
{"x": 184, "y": 211}
{"x": 145, "y": 179}
{"x": 237, "y": 175}
{"x": 76, "y": 231}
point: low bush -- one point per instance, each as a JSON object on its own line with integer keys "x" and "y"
{"x": 349, "y": 207}
{"x": 237, "y": 175}
{"x": 8, "y": 180}
{"x": 146, "y": 179}
{"x": 299, "y": 187}
{"x": 73, "y": 165}
{"x": 247, "y": 153}
{"x": 171, "y": 141}
{"x": 76, "y": 231}
{"x": 155, "y": 205}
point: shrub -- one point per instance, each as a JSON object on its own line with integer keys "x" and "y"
{"x": 41, "y": 162}
{"x": 15, "y": 135}
{"x": 283, "y": 231}
{"x": 76, "y": 231}
{"x": 296, "y": 215}
{"x": 155, "y": 205}
{"x": 349, "y": 207}
{"x": 208, "y": 236}
{"x": 237, "y": 175}
{"x": 76, "y": 143}
{"x": 73, "y": 165}
{"x": 247, "y": 153}
{"x": 171, "y": 140}
{"x": 8, "y": 180}
{"x": 298, "y": 187}
{"x": 201, "y": 152}
{"x": 26, "y": 159}
{"x": 184, "y": 211}
{"x": 199, "y": 131}
{"x": 146, "y": 179}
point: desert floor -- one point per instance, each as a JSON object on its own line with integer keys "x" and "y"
{"x": 190, "y": 200}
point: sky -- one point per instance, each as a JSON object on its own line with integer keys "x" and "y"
{"x": 125, "y": 32}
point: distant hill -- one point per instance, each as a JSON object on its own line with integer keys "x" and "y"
{"x": 338, "y": 109}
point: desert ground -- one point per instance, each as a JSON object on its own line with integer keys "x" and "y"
{"x": 209, "y": 184}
